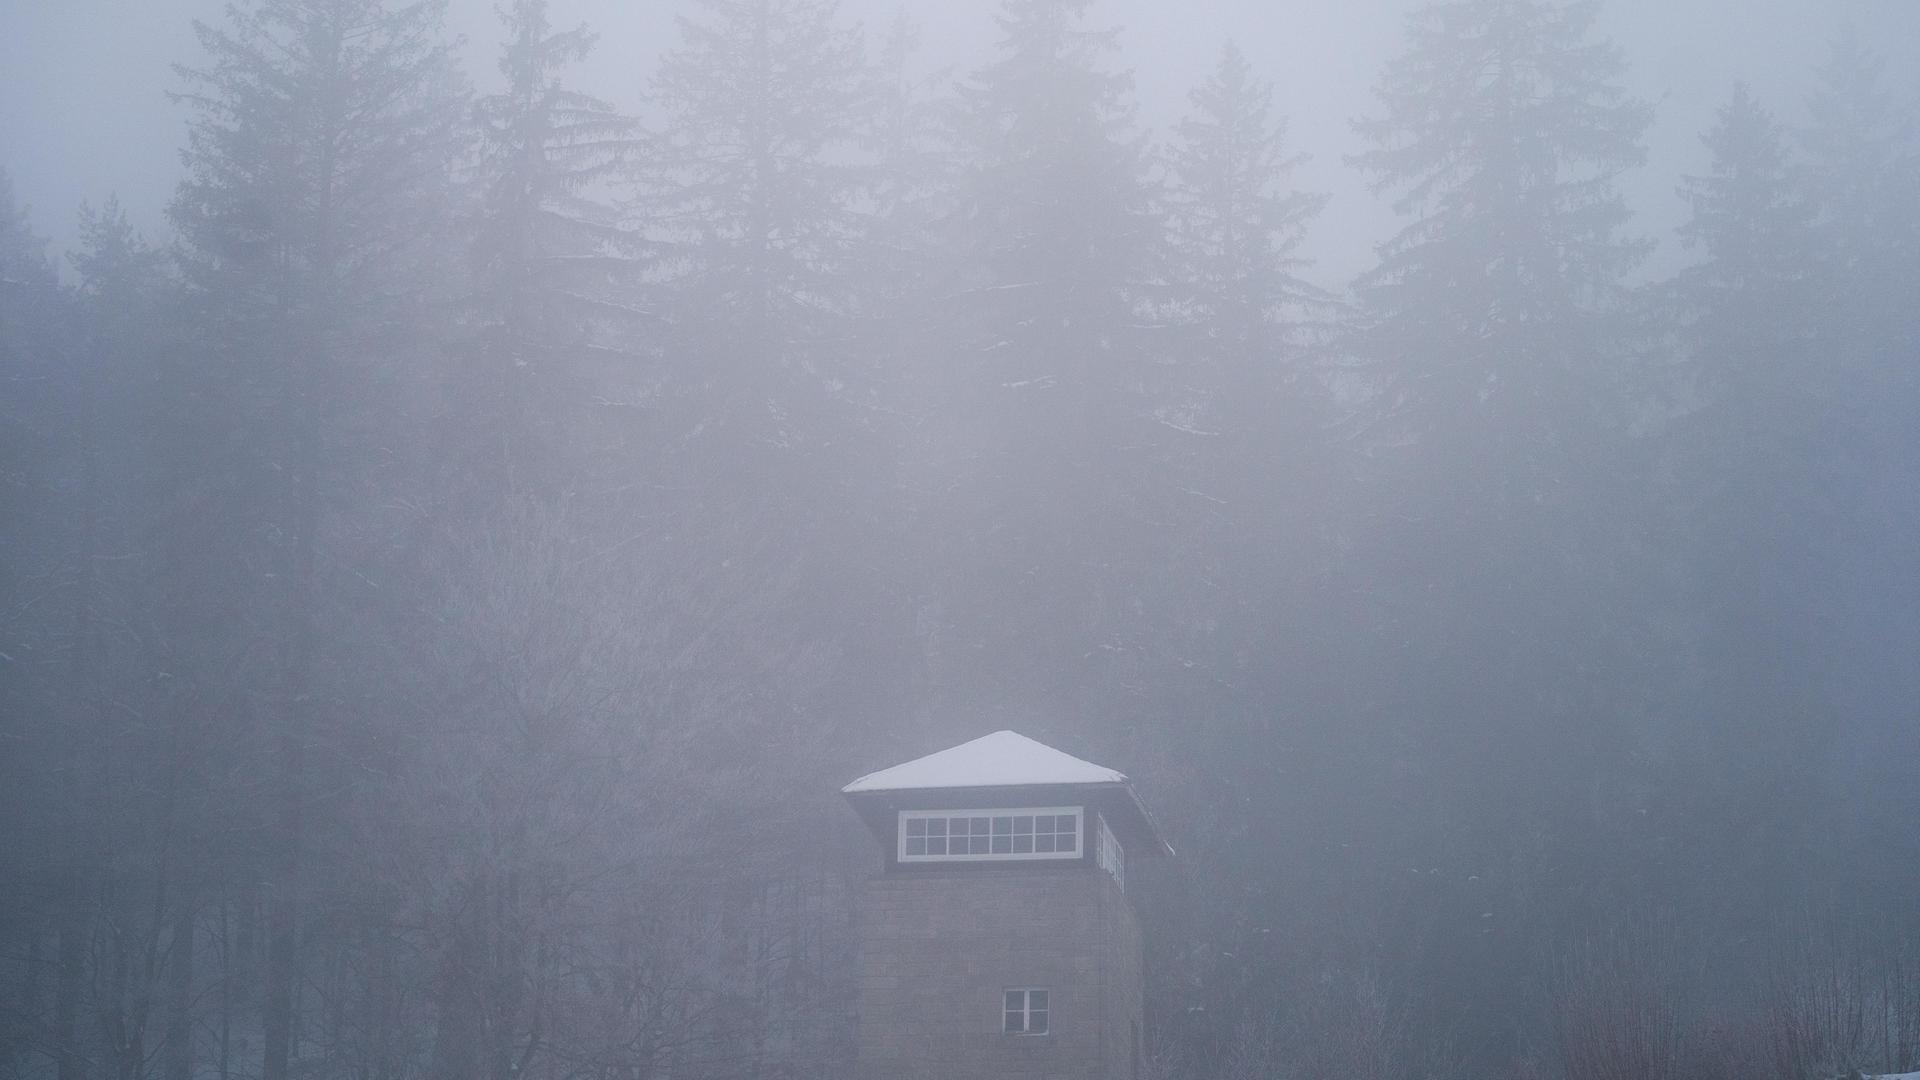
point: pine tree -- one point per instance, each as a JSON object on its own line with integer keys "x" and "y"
{"x": 1745, "y": 495}
{"x": 32, "y": 325}
{"x": 1055, "y": 206}
{"x": 1501, "y": 129}
{"x": 1045, "y": 436}
{"x": 1862, "y": 154}
{"x": 29, "y": 317}
{"x": 1247, "y": 317}
{"x": 36, "y": 779}
{"x": 753, "y": 183}
{"x": 1750, "y": 301}
{"x": 1235, "y": 230}
{"x": 1863, "y": 158}
{"x": 558, "y": 289}
{"x": 907, "y": 185}
{"x": 23, "y": 259}
{"x": 1863, "y": 175}
{"x": 1240, "y": 391}
{"x": 312, "y": 223}
{"x": 1500, "y": 461}
{"x": 753, "y": 186}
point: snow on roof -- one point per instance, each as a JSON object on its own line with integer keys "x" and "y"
{"x": 1002, "y": 759}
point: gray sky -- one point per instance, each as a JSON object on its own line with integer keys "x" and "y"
{"x": 83, "y": 111}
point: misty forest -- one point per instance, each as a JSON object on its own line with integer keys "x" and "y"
{"x": 450, "y": 563}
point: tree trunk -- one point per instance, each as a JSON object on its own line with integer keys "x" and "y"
{"x": 179, "y": 1063}
{"x": 283, "y": 906}
{"x": 66, "y": 1005}
{"x": 297, "y": 660}
{"x": 81, "y": 842}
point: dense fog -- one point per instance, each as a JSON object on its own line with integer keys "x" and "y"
{"x": 473, "y": 486}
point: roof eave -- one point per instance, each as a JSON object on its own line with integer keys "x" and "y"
{"x": 1141, "y": 826}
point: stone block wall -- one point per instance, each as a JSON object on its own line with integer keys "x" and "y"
{"x": 938, "y": 948}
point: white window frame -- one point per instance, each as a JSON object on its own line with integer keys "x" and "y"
{"x": 1111, "y": 855}
{"x": 1026, "y": 1011}
{"x": 1080, "y": 835}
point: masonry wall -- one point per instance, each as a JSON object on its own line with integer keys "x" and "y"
{"x": 936, "y": 950}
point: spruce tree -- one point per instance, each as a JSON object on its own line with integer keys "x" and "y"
{"x": 1862, "y": 154}
{"x": 1046, "y": 437}
{"x": 29, "y": 320}
{"x": 1750, "y": 302}
{"x": 558, "y": 289}
{"x": 1498, "y": 460}
{"x": 36, "y": 778}
{"x": 752, "y": 182}
{"x": 1743, "y": 466}
{"x": 1054, "y": 206}
{"x": 312, "y": 225}
{"x": 907, "y": 185}
{"x": 1245, "y": 316}
{"x": 1235, "y": 227}
{"x": 764, "y": 439}
{"x": 1500, "y": 131}
{"x": 1862, "y": 148}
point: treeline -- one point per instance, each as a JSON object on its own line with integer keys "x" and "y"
{"x": 443, "y": 586}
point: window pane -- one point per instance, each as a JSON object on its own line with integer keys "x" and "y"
{"x": 1043, "y": 823}
{"x": 1069, "y": 823}
{"x": 1016, "y": 1000}
{"x": 936, "y": 845}
{"x": 979, "y": 826}
{"x": 1037, "y": 1000}
{"x": 936, "y": 826}
{"x": 1023, "y": 824}
{"x": 916, "y": 826}
{"x": 1002, "y": 825}
{"x": 1023, "y": 845}
{"x": 1002, "y": 845}
{"x": 917, "y": 845}
{"x": 1016, "y": 1023}
{"x": 1037, "y": 1022}
{"x": 1043, "y": 842}
{"x": 1067, "y": 842}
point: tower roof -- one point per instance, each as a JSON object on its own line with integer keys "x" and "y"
{"x": 1018, "y": 771}
{"x": 1002, "y": 759}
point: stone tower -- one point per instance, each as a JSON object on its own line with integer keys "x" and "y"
{"x": 997, "y": 942}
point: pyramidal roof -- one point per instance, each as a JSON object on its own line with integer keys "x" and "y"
{"x": 1002, "y": 759}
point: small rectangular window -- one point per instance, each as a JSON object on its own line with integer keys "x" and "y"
{"x": 1025, "y": 1012}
